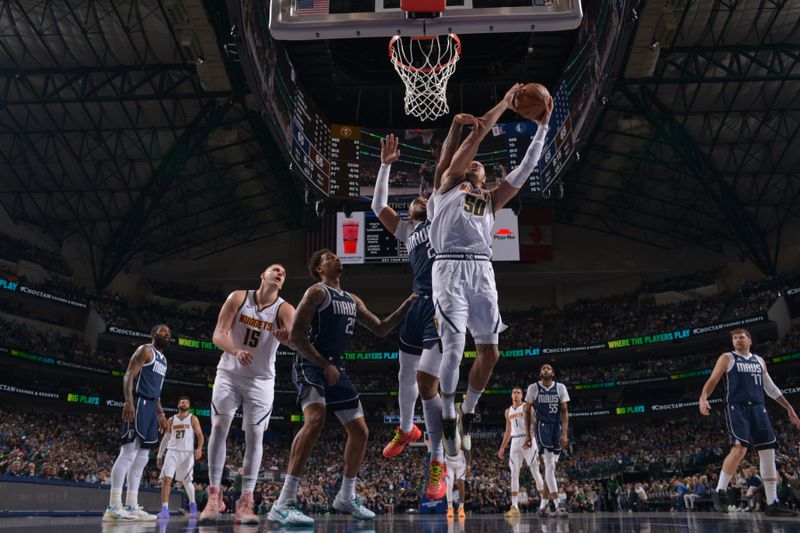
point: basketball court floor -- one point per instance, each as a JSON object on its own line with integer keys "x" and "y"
{"x": 584, "y": 523}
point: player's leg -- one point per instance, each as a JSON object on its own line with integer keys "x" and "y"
{"x": 146, "y": 425}
{"x": 257, "y": 400}
{"x": 225, "y": 401}
{"x": 428, "y": 382}
{"x": 739, "y": 432}
{"x": 764, "y": 442}
{"x": 450, "y": 481}
{"x": 532, "y": 458}
{"x": 346, "y": 500}
{"x": 168, "y": 471}
{"x": 119, "y": 471}
{"x": 188, "y": 485}
{"x": 462, "y": 495}
{"x": 515, "y": 461}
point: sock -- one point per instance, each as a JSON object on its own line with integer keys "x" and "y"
{"x": 289, "y": 490}
{"x": 449, "y": 494}
{"x": 127, "y": 453}
{"x": 135, "y": 477}
{"x": 724, "y": 480}
{"x": 253, "y": 450}
{"x": 432, "y": 411}
{"x": 116, "y": 498}
{"x": 408, "y": 391}
{"x": 543, "y": 503}
{"x": 514, "y": 500}
{"x": 448, "y": 406}
{"x": 769, "y": 473}
{"x": 189, "y": 488}
{"x": 452, "y": 352}
{"x": 348, "y": 490}
{"x": 165, "y": 505}
{"x": 471, "y": 401}
{"x": 220, "y": 424}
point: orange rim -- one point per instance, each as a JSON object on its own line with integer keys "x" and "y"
{"x": 425, "y": 70}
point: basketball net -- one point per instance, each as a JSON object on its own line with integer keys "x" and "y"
{"x": 425, "y": 64}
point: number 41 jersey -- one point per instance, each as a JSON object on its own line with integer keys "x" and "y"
{"x": 252, "y": 331}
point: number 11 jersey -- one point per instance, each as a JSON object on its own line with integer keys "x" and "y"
{"x": 252, "y": 331}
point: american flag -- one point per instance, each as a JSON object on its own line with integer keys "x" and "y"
{"x": 312, "y": 7}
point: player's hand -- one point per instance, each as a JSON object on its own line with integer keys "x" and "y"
{"x": 467, "y": 119}
{"x": 564, "y": 441}
{"x": 528, "y": 443}
{"x": 282, "y": 335}
{"x": 162, "y": 423}
{"x": 501, "y": 453}
{"x": 389, "y": 149}
{"x": 159, "y": 463}
{"x": 331, "y": 374}
{"x": 511, "y": 94}
{"x": 705, "y": 408}
{"x": 244, "y": 357}
{"x": 794, "y": 419}
{"x": 198, "y": 454}
{"x": 544, "y": 120}
{"x": 128, "y": 412}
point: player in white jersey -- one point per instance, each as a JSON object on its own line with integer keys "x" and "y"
{"x": 456, "y": 474}
{"x": 251, "y": 326}
{"x": 464, "y": 290}
{"x": 178, "y": 444}
{"x": 516, "y": 433}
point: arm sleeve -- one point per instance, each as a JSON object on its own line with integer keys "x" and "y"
{"x": 403, "y": 231}
{"x": 517, "y": 177}
{"x": 380, "y": 198}
{"x": 530, "y": 395}
{"x": 431, "y": 214}
{"x": 770, "y": 388}
{"x": 563, "y": 395}
{"x": 162, "y": 449}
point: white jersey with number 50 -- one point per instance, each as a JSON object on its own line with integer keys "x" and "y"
{"x": 462, "y": 222}
{"x": 252, "y": 331}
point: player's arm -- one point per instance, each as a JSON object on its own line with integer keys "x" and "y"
{"x": 515, "y": 179}
{"x": 775, "y": 393}
{"x": 380, "y": 198}
{"x": 162, "y": 419}
{"x": 199, "y": 438}
{"x": 221, "y": 336}
{"x": 506, "y": 437}
{"x": 708, "y": 389}
{"x": 312, "y": 299}
{"x": 466, "y": 152}
{"x": 162, "y": 448}
{"x": 379, "y": 327}
{"x": 450, "y": 145}
{"x": 140, "y": 357}
{"x": 564, "y": 424}
{"x": 284, "y": 325}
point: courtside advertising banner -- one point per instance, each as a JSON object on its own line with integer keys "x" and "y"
{"x": 350, "y": 237}
{"x": 505, "y": 236}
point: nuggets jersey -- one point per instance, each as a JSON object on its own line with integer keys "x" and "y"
{"x": 516, "y": 416}
{"x": 252, "y": 331}
{"x": 463, "y": 221}
{"x": 151, "y": 376}
{"x": 420, "y": 252}
{"x": 745, "y": 379}
{"x": 332, "y": 326}
{"x": 181, "y": 438}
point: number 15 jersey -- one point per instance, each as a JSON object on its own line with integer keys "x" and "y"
{"x": 252, "y": 331}
{"x": 463, "y": 220}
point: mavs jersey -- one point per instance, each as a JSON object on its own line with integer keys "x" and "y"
{"x": 516, "y": 417}
{"x": 181, "y": 438}
{"x": 547, "y": 401}
{"x": 420, "y": 252}
{"x": 745, "y": 379}
{"x": 252, "y": 331}
{"x": 151, "y": 376}
{"x": 463, "y": 221}
{"x": 332, "y": 326}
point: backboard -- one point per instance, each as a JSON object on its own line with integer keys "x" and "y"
{"x": 346, "y": 19}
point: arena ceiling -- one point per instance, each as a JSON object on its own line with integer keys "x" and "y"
{"x": 126, "y": 125}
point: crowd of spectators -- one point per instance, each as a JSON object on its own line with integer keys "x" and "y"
{"x": 184, "y": 291}
{"x": 694, "y": 280}
{"x": 192, "y": 322}
{"x": 13, "y": 249}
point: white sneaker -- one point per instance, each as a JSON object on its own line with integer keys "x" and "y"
{"x": 288, "y": 515}
{"x": 353, "y": 507}
{"x": 140, "y": 515}
{"x": 117, "y": 513}
{"x": 451, "y": 440}
{"x": 562, "y": 513}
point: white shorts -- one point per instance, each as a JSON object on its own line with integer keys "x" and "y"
{"x": 465, "y": 297}
{"x": 519, "y": 455}
{"x": 178, "y": 466}
{"x": 254, "y": 395}
{"x": 456, "y": 469}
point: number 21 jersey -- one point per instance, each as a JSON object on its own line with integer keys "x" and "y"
{"x": 463, "y": 220}
{"x": 252, "y": 331}
{"x": 332, "y": 326}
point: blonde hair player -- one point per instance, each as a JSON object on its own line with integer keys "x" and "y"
{"x": 516, "y": 434}
{"x": 464, "y": 291}
{"x": 178, "y": 443}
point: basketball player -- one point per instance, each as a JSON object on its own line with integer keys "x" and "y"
{"x": 178, "y": 443}
{"x": 517, "y": 434}
{"x": 143, "y": 420}
{"x": 250, "y": 327}
{"x": 464, "y": 290}
{"x": 457, "y": 466}
{"x": 546, "y": 406}
{"x": 747, "y": 380}
{"x": 321, "y": 334}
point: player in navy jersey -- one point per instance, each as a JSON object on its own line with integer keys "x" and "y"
{"x": 323, "y": 327}
{"x": 143, "y": 420}
{"x": 747, "y": 380}
{"x": 546, "y": 411}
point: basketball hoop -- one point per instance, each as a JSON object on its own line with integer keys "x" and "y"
{"x": 425, "y": 64}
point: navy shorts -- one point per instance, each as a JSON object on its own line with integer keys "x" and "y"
{"x": 419, "y": 326}
{"x": 144, "y": 425}
{"x": 548, "y": 437}
{"x": 749, "y": 425}
{"x": 341, "y": 396}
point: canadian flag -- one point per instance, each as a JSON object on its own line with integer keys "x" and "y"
{"x": 536, "y": 235}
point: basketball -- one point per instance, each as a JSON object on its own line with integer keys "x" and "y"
{"x": 531, "y": 101}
